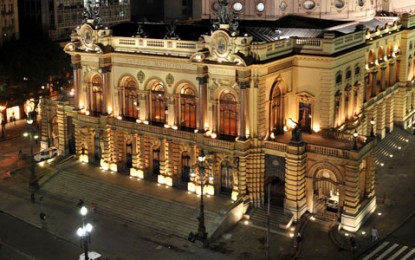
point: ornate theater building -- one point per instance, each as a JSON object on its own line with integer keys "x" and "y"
{"x": 296, "y": 99}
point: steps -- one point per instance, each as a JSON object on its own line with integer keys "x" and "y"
{"x": 278, "y": 218}
{"x": 393, "y": 144}
{"x": 168, "y": 217}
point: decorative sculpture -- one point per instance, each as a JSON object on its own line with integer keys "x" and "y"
{"x": 296, "y": 133}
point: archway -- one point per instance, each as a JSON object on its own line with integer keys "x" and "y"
{"x": 326, "y": 194}
{"x": 226, "y": 178}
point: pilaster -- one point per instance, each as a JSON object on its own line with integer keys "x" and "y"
{"x": 351, "y": 203}
{"x": 295, "y": 181}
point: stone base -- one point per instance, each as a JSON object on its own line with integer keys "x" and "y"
{"x": 83, "y": 158}
{"x": 234, "y": 195}
{"x": 352, "y": 223}
{"x": 207, "y": 189}
{"x": 137, "y": 173}
{"x": 297, "y": 211}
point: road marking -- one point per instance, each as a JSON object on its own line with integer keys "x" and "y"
{"x": 398, "y": 253}
{"x": 408, "y": 254}
{"x": 387, "y": 252}
{"x": 376, "y": 250}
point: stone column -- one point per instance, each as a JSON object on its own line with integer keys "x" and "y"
{"x": 105, "y": 71}
{"x": 391, "y": 73}
{"x": 202, "y": 103}
{"x": 76, "y": 67}
{"x": 365, "y": 85}
{"x": 380, "y": 120}
{"x": 389, "y": 114}
{"x": 383, "y": 80}
{"x": 242, "y": 110}
{"x": 63, "y": 143}
{"x": 295, "y": 181}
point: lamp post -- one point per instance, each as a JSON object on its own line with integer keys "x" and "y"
{"x": 202, "y": 235}
{"x": 355, "y": 134}
{"x": 372, "y": 123}
{"x": 413, "y": 128}
{"x": 33, "y": 184}
{"x": 3, "y": 120}
{"x": 84, "y": 232}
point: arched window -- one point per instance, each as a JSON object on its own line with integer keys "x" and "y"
{"x": 228, "y": 115}
{"x": 187, "y": 107}
{"x": 130, "y": 98}
{"x": 339, "y": 77}
{"x": 337, "y": 100}
{"x": 97, "y": 94}
{"x": 158, "y": 104}
{"x": 276, "y": 111}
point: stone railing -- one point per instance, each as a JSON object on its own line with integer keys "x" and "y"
{"x": 147, "y": 45}
{"x": 324, "y": 150}
{"x": 275, "y": 146}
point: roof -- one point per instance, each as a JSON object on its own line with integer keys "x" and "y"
{"x": 262, "y": 31}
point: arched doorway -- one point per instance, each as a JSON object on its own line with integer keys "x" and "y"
{"x": 187, "y": 108}
{"x": 228, "y": 116}
{"x": 156, "y": 162}
{"x": 97, "y": 95}
{"x": 185, "y": 170}
{"x": 304, "y": 118}
{"x": 326, "y": 194}
{"x": 276, "y": 111}
{"x": 226, "y": 178}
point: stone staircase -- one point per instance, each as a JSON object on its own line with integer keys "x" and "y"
{"x": 278, "y": 218}
{"x": 393, "y": 143}
{"x": 167, "y": 217}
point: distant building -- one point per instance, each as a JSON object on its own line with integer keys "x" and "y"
{"x": 9, "y": 21}
{"x": 57, "y": 18}
{"x": 299, "y": 99}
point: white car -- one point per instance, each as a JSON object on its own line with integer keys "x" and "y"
{"x": 91, "y": 256}
{"x": 46, "y": 154}
{"x": 332, "y": 204}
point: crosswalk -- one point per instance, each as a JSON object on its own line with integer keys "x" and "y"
{"x": 389, "y": 251}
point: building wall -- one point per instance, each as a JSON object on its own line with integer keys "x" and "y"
{"x": 9, "y": 22}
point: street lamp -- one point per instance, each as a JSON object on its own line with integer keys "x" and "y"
{"x": 3, "y": 120}
{"x": 201, "y": 231}
{"x": 33, "y": 184}
{"x": 355, "y": 134}
{"x": 372, "y": 123}
{"x": 84, "y": 232}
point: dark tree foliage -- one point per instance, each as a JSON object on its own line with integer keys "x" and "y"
{"x": 29, "y": 63}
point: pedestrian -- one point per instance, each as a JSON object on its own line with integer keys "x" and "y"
{"x": 93, "y": 206}
{"x": 375, "y": 234}
{"x": 80, "y": 203}
{"x": 299, "y": 238}
{"x": 32, "y": 197}
{"x": 20, "y": 152}
{"x": 352, "y": 243}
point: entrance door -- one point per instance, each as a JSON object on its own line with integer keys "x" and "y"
{"x": 129, "y": 153}
{"x": 305, "y": 117}
{"x": 185, "y": 178}
{"x": 156, "y": 162}
{"x": 226, "y": 179}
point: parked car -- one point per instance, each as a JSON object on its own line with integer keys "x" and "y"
{"x": 332, "y": 204}
{"x": 91, "y": 256}
{"x": 46, "y": 154}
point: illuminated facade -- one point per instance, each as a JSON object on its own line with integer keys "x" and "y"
{"x": 257, "y": 100}
{"x": 9, "y": 21}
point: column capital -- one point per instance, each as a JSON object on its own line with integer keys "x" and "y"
{"x": 76, "y": 66}
{"x": 202, "y": 79}
{"x": 244, "y": 84}
{"x": 105, "y": 69}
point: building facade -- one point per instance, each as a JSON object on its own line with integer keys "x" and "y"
{"x": 57, "y": 18}
{"x": 9, "y": 21}
{"x": 262, "y": 104}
